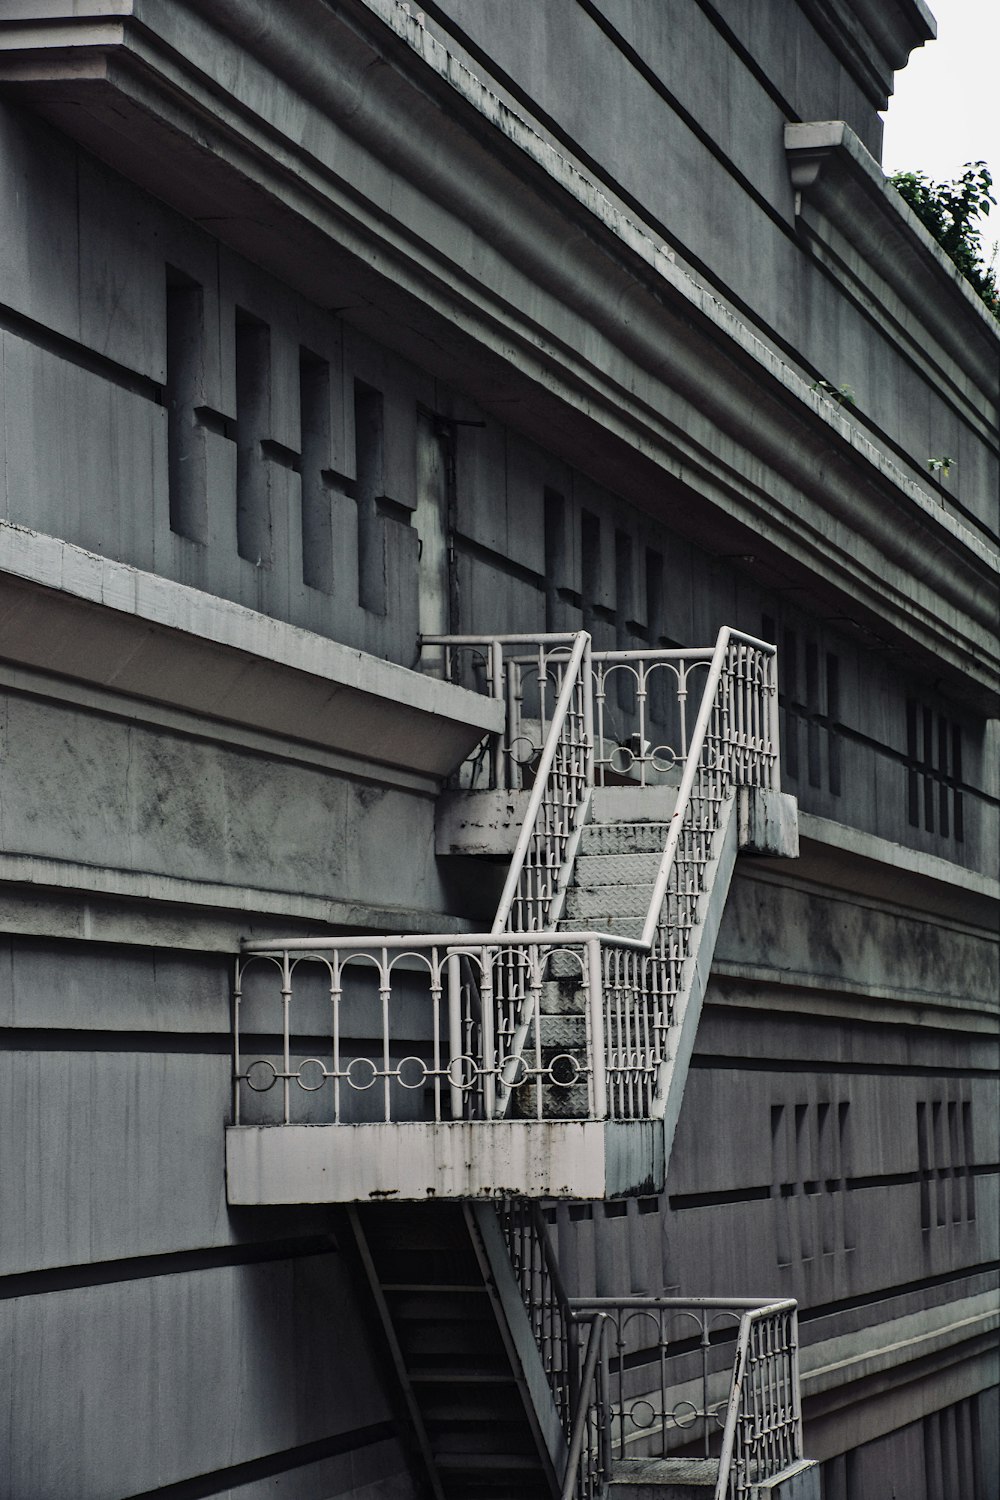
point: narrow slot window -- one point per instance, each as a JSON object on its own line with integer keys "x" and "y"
{"x": 253, "y": 419}
{"x": 314, "y": 447}
{"x": 912, "y": 779}
{"x": 812, "y": 704}
{"x": 624, "y": 623}
{"x": 833, "y": 751}
{"x": 185, "y": 434}
{"x": 590, "y": 566}
{"x": 924, "y": 1164}
{"x": 944, "y": 791}
{"x": 956, "y": 772}
{"x": 926, "y": 754}
{"x": 556, "y": 559}
{"x": 790, "y": 671}
{"x": 659, "y": 681}
{"x": 968, "y": 1157}
{"x": 369, "y": 447}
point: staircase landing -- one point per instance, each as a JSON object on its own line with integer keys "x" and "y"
{"x": 697, "y": 1479}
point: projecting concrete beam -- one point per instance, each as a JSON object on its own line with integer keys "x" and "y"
{"x": 578, "y": 1159}
{"x": 68, "y": 611}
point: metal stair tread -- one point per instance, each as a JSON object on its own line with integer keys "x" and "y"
{"x": 680, "y": 1476}
{"x": 453, "y": 1374}
{"x": 453, "y": 1460}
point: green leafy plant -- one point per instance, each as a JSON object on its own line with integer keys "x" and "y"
{"x": 950, "y": 210}
{"x": 842, "y": 394}
{"x": 942, "y": 465}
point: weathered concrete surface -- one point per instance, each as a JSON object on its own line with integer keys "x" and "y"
{"x": 414, "y": 1161}
{"x": 768, "y": 822}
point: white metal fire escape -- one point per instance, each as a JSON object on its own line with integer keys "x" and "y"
{"x": 545, "y": 1058}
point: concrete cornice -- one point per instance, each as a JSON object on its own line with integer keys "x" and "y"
{"x": 872, "y": 38}
{"x": 414, "y": 190}
{"x": 831, "y": 170}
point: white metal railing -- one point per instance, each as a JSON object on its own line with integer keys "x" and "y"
{"x": 646, "y": 1376}
{"x": 437, "y": 1027}
{"x": 432, "y": 1021}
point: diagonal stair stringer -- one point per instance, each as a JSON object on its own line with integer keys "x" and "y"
{"x": 687, "y": 1014}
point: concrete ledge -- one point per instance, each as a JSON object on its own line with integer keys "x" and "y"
{"x": 462, "y": 1159}
{"x": 69, "y": 611}
{"x": 799, "y": 1481}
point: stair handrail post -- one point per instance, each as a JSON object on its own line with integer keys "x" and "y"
{"x": 598, "y": 1054}
{"x": 691, "y": 768}
{"x": 796, "y": 1387}
{"x": 487, "y": 1033}
{"x": 570, "y": 681}
{"x": 582, "y": 1416}
{"x": 455, "y": 1048}
{"x": 588, "y": 713}
{"x": 774, "y": 724}
{"x": 725, "y": 1489}
{"x": 494, "y": 659}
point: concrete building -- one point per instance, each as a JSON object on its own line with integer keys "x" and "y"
{"x": 330, "y": 326}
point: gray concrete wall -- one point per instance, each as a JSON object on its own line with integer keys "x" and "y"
{"x": 836, "y": 1141}
{"x": 693, "y": 103}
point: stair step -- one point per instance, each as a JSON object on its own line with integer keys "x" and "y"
{"x": 623, "y": 838}
{"x": 621, "y": 926}
{"x": 452, "y": 1374}
{"x": 601, "y": 901}
{"x": 462, "y": 1304}
{"x": 663, "y": 1478}
{"x": 468, "y": 1438}
{"x": 425, "y": 1341}
{"x": 616, "y": 869}
{"x": 634, "y": 804}
{"x": 483, "y": 1403}
{"x": 477, "y": 1462}
{"x": 563, "y": 997}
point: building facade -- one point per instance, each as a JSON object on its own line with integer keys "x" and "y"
{"x": 330, "y": 326}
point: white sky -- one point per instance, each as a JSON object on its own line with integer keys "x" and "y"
{"x": 946, "y": 108}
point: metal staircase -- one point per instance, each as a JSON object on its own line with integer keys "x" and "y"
{"x": 441, "y": 1083}
{"x": 476, "y": 1394}
{"x": 547, "y": 1056}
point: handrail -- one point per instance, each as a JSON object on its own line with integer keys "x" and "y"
{"x": 579, "y": 654}
{"x": 730, "y": 1484}
{"x": 460, "y": 943}
{"x": 762, "y": 1431}
{"x": 691, "y": 769}
{"x": 585, "y": 1408}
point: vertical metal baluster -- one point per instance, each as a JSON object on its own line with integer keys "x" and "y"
{"x": 536, "y": 1022}
{"x": 598, "y": 1052}
{"x": 286, "y": 1050}
{"x": 640, "y": 679}
{"x": 237, "y": 998}
{"x": 489, "y": 1047}
{"x": 682, "y": 693}
{"x": 495, "y": 668}
{"x": 455, "y": 1049}
{"x": 335, "y": 994}
{"x": 796, "y": 1393}
{"x": 385, "y": 993}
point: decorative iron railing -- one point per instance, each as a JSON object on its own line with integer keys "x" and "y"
{"x": 432, "y": 1027}
{"x": 651, "y": 1376}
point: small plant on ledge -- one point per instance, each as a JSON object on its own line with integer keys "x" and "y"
{"x": 941, "y": 467}
{"x": 843, "y": 395}
{"x": 949, "y": 211}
